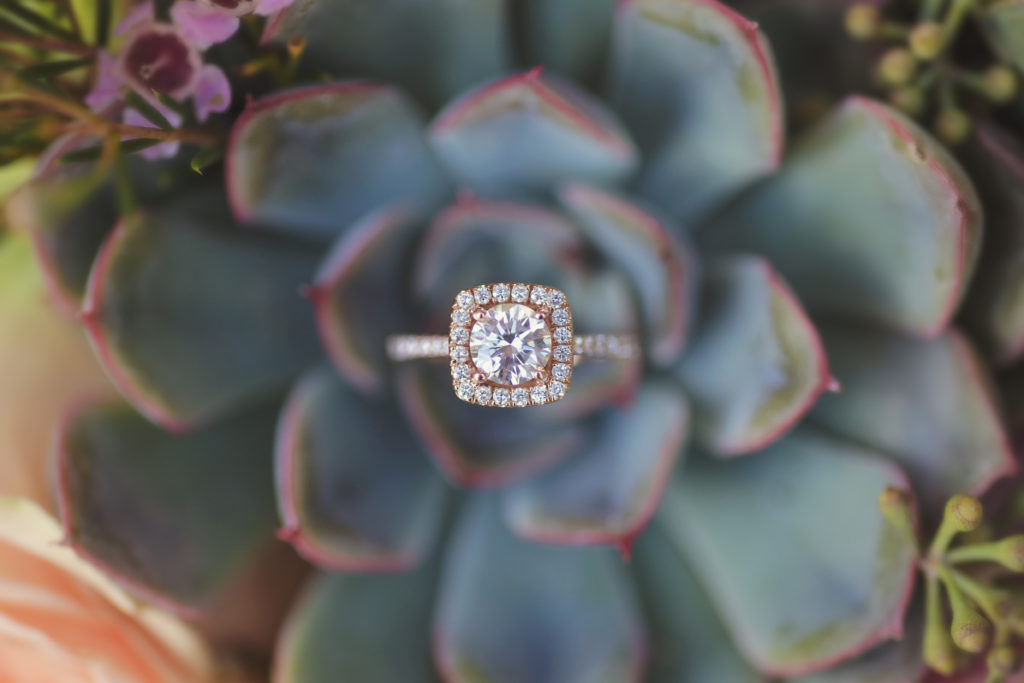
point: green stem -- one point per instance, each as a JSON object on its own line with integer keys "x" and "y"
{"x": 981, "y": 552}
{"x": 10, "y": 33}
{"x": 957, "y": 13}
{"x": 32, "y": 18}
{"x": 986, "y": 597}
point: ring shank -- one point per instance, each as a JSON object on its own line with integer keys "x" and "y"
{"x": 403, "y": 347}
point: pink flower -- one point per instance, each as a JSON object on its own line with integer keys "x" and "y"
{"x": 158, "y": 57}
{"x": 165, "y": 150}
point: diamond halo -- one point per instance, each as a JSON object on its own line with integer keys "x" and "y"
{"x": 516, "y": 340}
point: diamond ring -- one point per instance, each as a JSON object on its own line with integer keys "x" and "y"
{"x": 512, "y": 345}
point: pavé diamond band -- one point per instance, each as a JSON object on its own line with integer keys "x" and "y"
{"x": 512, "y": 345}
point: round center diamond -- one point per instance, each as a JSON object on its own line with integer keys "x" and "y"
{"x": 510, "y": 345}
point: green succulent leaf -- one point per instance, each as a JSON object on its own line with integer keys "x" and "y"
{"x": 476, "y": 445}
{"x": 870, "y": 217}
{"x": 660, "y": 267}
{"x": 580, "y": 53}
{"x": 193, "y": 319}
{"x": 695, "y": 83}
{"x": 349, "y": 627}
{"x": 355, "y": 488}
{"x": 609, "y": 492}
{"x": 316, "y": 159}
{"x": 67, "y": 213}
{"x": 689, "y": 642}
{"x": 1003, "y": 23}
{"x": 510, "y": 610}
{"x": 361, "y": 293}
{"x": 175, "y": 518}
{"x": 926, "y": 404}
{"x": 521, "y": 135}
{"x": 994, "y": 308}
{"x": 755, "y": 364}
{"x": 432, "y": 48}
{"x": 839, "y": 583}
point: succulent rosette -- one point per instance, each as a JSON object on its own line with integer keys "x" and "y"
{"x": 805, "y": 410}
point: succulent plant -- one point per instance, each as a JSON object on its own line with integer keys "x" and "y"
{"x": 821, "y": 323}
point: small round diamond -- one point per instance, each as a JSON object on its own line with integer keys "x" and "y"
{"x": 500, "y": 292}
{"x": 520, "y": 396}
{"x": 460, "y": 354}
{"x": 461, "y": 371}
{"x": 560, "y": 316}
{"x": 465, "y": 390}
{"x": 464, "y": 299}
{"x": 561, "y": 371}
{"x": 563, "y": 354}
{"x": 539, "y": 296}
{"x": 539, "y": 394}
{"x": 556, "y": 298}
{"x": 460, "y": 335}
{"x": 520, "y": 293}
{"x": 461, "y": 317}
{"x": 563, "y": 335}
{"x": 502, "y": 397}
{"x": 556, "y": 390}
{"x": 483, "y": 395}
{"x": 482, "y": 294}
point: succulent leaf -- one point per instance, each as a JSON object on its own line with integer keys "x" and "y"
{"x": 432, "y": 48}
{"x": 755, "y": 365}
{"x": 522, "y": 135}
{"x": 355, "y": 489}
{"x": 1003, "y": 23}
{"x": 192, "y": 319}
{"x": 994, "y": 308}
{"x": 472, "y": 444}
{"x": 67, "y": 212}
{"x": 661, "y": 267}
{"x": 316, "y": 159}
{"x": 351, "y": 627}
{"x": 361, "y": 294}
{"x": 695, "y": 83}
{"x": 609, "y": 492}
{"x": 841, "y": 582}
{"x": 510, "y": 610}
{"x": 580, "y": 53}
{"x": 870, "y": 217}
{"x": 690, "y": 644}
{"x": 926, "y": 404}
{"x": 175, "y": 518}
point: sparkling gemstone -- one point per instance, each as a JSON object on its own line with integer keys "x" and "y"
{"x": 501, "y": 397}
{"x": 556, "y": 390}
{"x": 560, "y": 316}
{"x": 539, "y": 394}
{"x": 520, "y": 293}
{"x": 465, "y": 390}
{"x": 482, "y": 294}
{"x": 500, "y": 292}
{"x": 460, "y": 335}
{"x": 461, "y": 371}
{"x": 556, "y": 298}
{"x": 460, "y": 354}
{"x": 483, "y": 395}
{"x": 561, "y": 371}
{"x": 464, "y": 299}
{"x": 539, "y": 296}
{"x": 563, "y": 335}
{"x": 510, "y": 345}
{"x": 461, "y": 317}
{"x": 520, "y": 396}
{"x": 563, "y": 354}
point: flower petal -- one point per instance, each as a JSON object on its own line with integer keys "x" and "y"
{"x": 163, "y": 150}
{"x": 201, "y": 25}
{"x": 106, "y": 85}
{"x": 212, "y": 93}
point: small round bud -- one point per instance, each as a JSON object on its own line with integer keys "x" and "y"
{"x": 1010, "y": 552}
{"x": 908, "y": 100}
{"x": 971, "y": 633}
{"x": 897, "y": 66}
{"x": 964, "y": 512}
{"x": 863, "y": 21}
{"x": 953, "y": 126}
{"x": 927, "y": 40}
{"x": 1003, "y": 660}
{"x": 1000, "y": 83}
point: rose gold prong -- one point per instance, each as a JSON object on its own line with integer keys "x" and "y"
{"x": 541, "y": 315}
{"x": 479, "y": 314}
{"x": 478, "y": 377}
{"x": 541, "y": 375}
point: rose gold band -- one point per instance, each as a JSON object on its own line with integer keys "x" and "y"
{"x": 403, "y": 347}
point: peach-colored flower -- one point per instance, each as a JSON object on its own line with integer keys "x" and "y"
{"x": 61, "y": 621}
